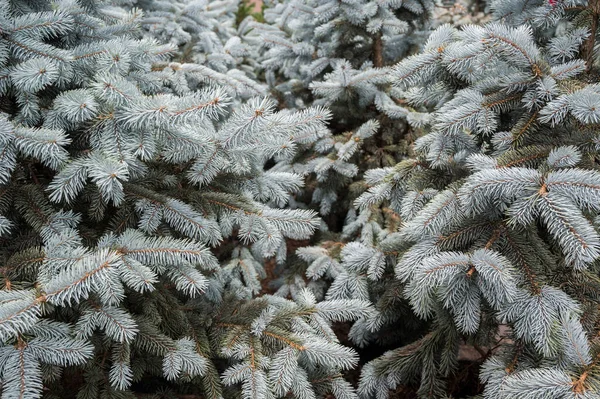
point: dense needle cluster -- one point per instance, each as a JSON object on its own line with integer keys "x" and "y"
{"x": 337, "y": 198}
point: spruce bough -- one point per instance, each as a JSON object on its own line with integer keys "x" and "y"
{"x": 136, "y": 214}
{"x": 144, "y": 187}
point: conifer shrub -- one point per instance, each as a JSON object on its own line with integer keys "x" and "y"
{"x": 205, "y": 33}
{"x": 136, "y": 214}
{"x": 494, "y": 239}
{"x": 339, "y": 55}
{"x": 430, "y": 200}
{"x": 485, "y": 238}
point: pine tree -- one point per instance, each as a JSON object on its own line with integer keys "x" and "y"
{"x": 136, "y": 211}
{"x": 336, "y": 53}
{"x": 205, "y": 34}
{"x": 491, "y": 235}
{"x": 147, "y": 178}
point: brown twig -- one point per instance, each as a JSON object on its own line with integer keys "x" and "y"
{"x": 378, "y": 51}
{"x": 587, "y": 50}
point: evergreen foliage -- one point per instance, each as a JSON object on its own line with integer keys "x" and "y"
{"x": 195, "y": 200}
{"x": 337, "y": 50}
{"x": 204, "y": 33}
{"x": 495, "y": 239}
{"x": 339, "y": 55}
{"x": 136, "y": 215}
